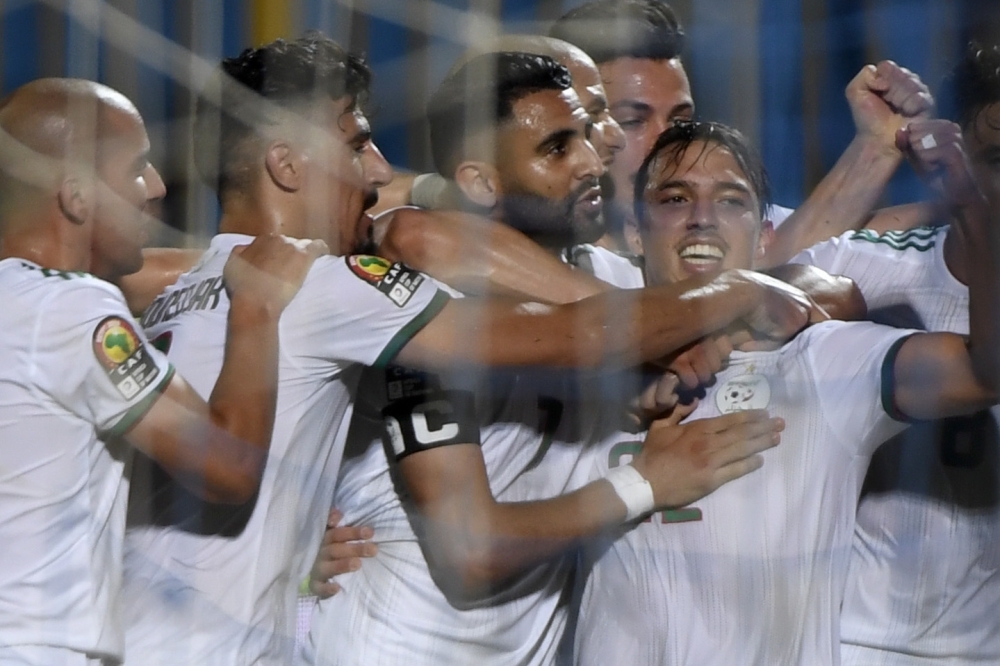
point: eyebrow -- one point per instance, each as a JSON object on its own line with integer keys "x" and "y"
{"x": 724, "y": 185}
{"x": 557, "y": 137}
{"x": 635, "y": 105}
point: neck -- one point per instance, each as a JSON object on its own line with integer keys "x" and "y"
{"x": 955, "y": 252}
{"x": 246, "y": 214}
{"x": 47, "y": 243}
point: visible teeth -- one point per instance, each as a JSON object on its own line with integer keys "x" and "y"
{"x": 702, "y": 253}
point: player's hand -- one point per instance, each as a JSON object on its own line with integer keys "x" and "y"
{"x": 937, "y": 152}
{"x": 884, "y": 98}
{"x": 340, "y": 552}
{"x": 698, "y": 364}
{"x": 657, "y": 399}
{"x": 782, "y": 311}
{"x": 837, "y": 296}
{"x": 271, "y": 269}
{"x": 685, "y": 462}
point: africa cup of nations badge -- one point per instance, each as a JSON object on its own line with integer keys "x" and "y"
{"x": 121, "y": 353}
{"x": 739, "y": 394}
{"x": 395, "y": 280}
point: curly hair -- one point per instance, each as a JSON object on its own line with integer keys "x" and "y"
{"x": 610, "y": 29}
{"x": 240, "y": 101}
{"x": 972, "y": 85}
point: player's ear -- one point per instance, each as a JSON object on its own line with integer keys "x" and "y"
{"x": 764, "y": 240}
{"x": 479, "y": 183}
{"x": 75, "y": 199}
{"x": 284, "y": 166}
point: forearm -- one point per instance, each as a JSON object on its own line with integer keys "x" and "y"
{"x": 479, "y": 257}
{"x": 980, "y": 235}
{"x": 476, "y": 551}
{"x": 161, "y": 267}
{"x": 843, "y": 200}
{"x": 243, "y": 400}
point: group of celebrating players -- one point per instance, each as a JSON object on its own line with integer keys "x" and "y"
{"x": 581, "y": 396}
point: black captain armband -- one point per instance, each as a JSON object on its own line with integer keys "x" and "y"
{"x": 435, "y": 418}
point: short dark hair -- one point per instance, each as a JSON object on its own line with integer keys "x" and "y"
{"x": 972, "y": 85}
{"x": 610, "y": 29}
{"x": 290, "y": 74}
{"x": 679, "y": 137}
{"x": 480, "y": 96}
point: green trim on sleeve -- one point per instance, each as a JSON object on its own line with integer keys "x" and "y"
{"x": 889, "y": 382}
{"x": 139, "y": 409}
{"x": 413, "y": 327}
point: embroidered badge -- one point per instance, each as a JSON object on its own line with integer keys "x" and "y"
{"x": 121, "y": 353}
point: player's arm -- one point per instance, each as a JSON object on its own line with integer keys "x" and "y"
{"x": 396, "y": 193}
{"x": 161, "y": 267}
{"x": 218, "y": 449}
{"x": 474, "y": 543}
{"x": 883, "y": 99}
{"x": 907, "y": 216}
{"x": 938, "y": 374}
{"x": 480, "y": 256}
{"x": 622, "y": 327}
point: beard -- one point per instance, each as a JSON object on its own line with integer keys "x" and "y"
{"x": 552, "y": 223}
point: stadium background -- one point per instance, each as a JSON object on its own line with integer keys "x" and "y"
{"x": 774, "y": 68}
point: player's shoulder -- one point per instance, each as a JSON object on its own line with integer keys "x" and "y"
{"x": 346, "y": 279}
{"x": 915, "y": 241}
{"x": 623, "y": 270}
{"x": 64, "y": 291}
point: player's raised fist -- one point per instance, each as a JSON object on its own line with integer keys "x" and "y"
{"x": 685, "y": 462}
{"x": 937, "y": 151}
{"x": 884, "y": 98}
{"x": 271, "y": 269}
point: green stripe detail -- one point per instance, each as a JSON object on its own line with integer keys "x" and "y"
{"x": 889, "y": 381}
{"x": 139, "y": 409}
{"x": 920, "y": 239}
{"x": 404, "y": 334}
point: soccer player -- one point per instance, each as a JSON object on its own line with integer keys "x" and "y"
{"x": 284, "y": 141}
{"x": 638, "y": 44}
{"x": 757, "y": 574}
{"x": 80, "y": 385}
{"x": 469, "y": 564}
{"x": 924, "y": 583}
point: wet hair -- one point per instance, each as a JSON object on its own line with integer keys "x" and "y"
{"x": 678, "y": 139}
{"x": 972, "y": 85}
{"x": 229, "y": 113}
{"x": 480, "y": 96}
{"x": 610, "y": 29}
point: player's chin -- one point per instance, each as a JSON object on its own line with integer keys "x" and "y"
{"x": 588, "y": 227}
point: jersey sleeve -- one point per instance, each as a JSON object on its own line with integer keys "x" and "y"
{"x": 828, "y": 255}
{"x": 852, "y": 365}
{"x": 361, "y": 309}
{"x": 422, "y": 413}
{"x": 94, "y": 358}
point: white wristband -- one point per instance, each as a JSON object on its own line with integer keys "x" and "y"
{"x": 633, "y": 489}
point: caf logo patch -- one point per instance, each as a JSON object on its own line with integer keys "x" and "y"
{"x": 368, "y": 267}
{"x": 114, "y": 341}
{"x": 395, "y": 280}
{"x": 121, "y": 353}
{"x": 743, "y": 393}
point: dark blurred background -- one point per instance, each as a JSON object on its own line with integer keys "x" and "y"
{"x": 774, "y": 68}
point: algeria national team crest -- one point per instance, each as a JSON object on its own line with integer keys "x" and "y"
{"x": 739, "y": 394}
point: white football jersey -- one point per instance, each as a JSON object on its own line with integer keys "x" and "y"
{"x": 391, "y": 611}
{"x": 77, "y": 371}
{"x": 539, "y": 433}
{"x": 753, "y": 573}
{"x": 231, "y": 599}
{"x": 621, "y": 270}
{"x": 924, "y": 581}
